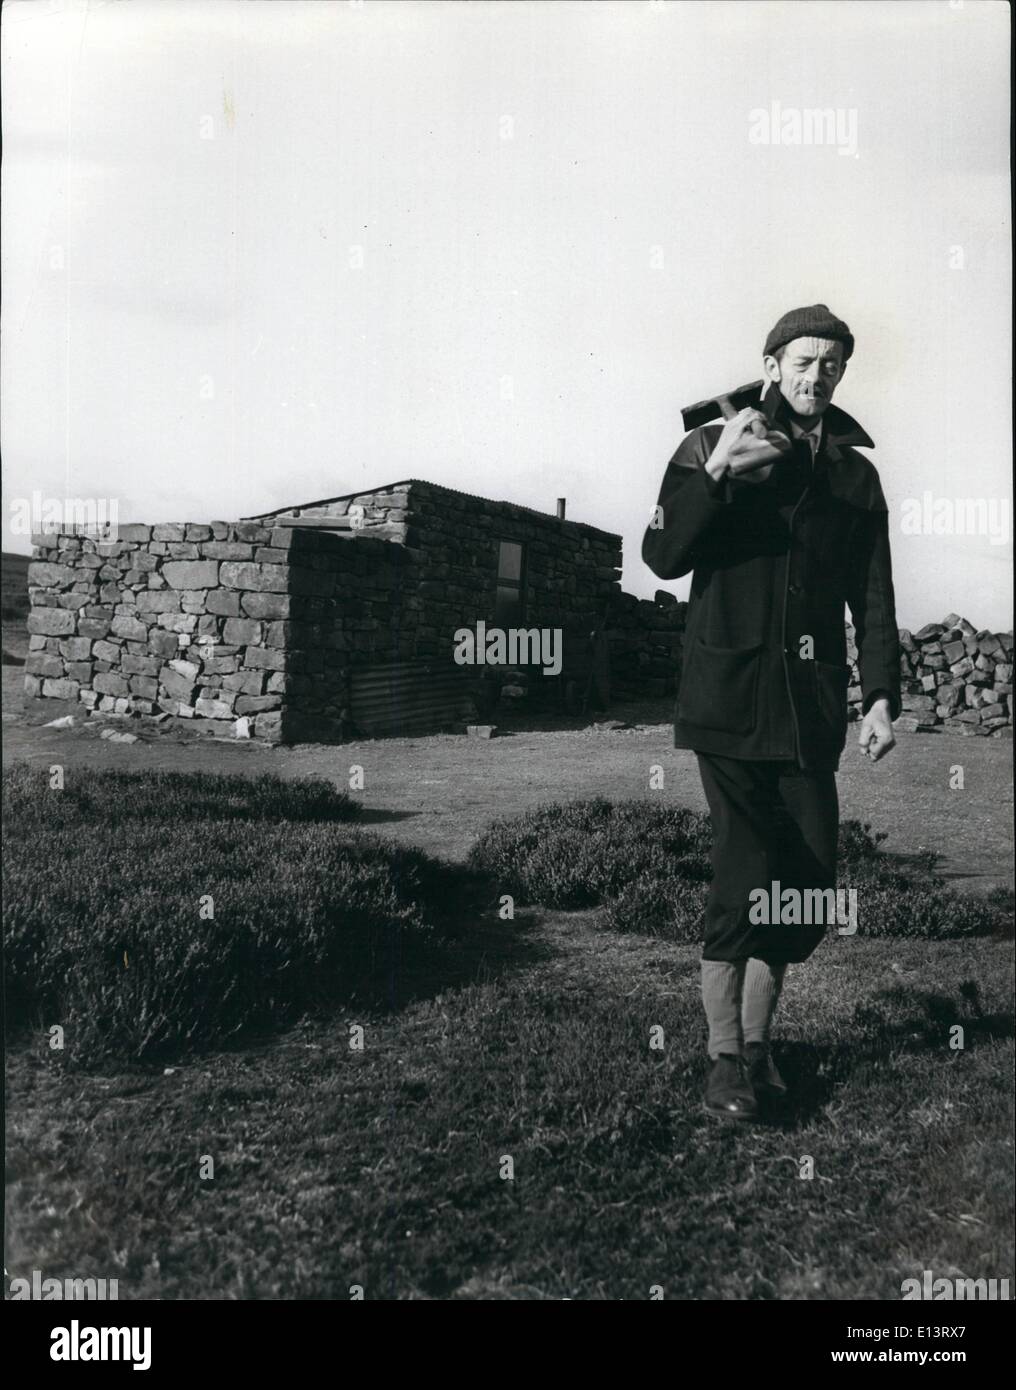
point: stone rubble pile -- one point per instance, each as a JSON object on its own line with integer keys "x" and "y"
{"x": 953, "y": 677}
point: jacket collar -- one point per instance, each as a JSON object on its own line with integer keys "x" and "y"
{"x": 838, "y": 428}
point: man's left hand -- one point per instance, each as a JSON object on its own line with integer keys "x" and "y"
{"x": 876, "y": 737}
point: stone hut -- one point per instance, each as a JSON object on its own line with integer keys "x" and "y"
{"x": 328, "y": 620}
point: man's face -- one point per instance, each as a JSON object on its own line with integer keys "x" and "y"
{"x": 808, "y": 372}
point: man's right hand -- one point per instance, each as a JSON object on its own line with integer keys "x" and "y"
{"x": 747, "y": 448}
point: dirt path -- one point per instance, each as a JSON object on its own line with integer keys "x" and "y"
{"x": 439, "y": 792}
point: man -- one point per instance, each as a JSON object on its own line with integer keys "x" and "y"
{"x": 782, "y": 523}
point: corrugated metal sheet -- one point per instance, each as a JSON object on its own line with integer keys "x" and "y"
{"x": 410, "y": 697}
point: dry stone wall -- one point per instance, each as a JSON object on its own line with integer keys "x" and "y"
{"x": 449, "y": 556}
{"x": 573, "y": 571}
{"x": 221, "y": 622}
{"x": 645, "y": 638}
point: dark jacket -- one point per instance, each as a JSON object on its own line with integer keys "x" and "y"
{"x": 773, "y": 563}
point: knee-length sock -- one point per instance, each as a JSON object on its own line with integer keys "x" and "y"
{"x": 761, "y": 993}
{"x": 722, "y": 984}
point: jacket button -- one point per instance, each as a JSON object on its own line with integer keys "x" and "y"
{"x": 795, "y": 588}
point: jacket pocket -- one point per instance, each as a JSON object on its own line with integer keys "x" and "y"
{"x": 719, "y": 688}
{"x": 831, "y": 682}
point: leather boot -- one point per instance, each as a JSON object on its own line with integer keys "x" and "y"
{"x": 765, "y": 1080}
{"x": 728, "y": 1092}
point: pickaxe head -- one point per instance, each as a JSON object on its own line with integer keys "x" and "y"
{"x": 726, "y": 405}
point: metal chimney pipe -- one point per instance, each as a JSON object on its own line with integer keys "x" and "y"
{"x": 560, "y": 508}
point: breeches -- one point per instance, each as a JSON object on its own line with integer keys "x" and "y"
{"x": 772, "y": 821}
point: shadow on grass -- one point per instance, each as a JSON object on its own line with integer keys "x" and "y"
{"x": 488, "y": 949}
{"x": 814, "y": 1072}
{"x": 990, "y": 880}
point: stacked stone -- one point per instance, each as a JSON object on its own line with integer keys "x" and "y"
{"x": 190, "y": 620}
{"x": 572, "y": 577}
{"x": 385, "y": 513}
{"x": 646, "y": 637}
{"x": 449, "y": 546}
{"x": 953, "y": 677}
{"x": 573, "y": 571}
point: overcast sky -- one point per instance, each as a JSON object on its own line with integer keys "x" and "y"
{"x": 260, "y": 253}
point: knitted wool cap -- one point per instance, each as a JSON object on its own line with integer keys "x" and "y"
{"x": 815, "y": 321}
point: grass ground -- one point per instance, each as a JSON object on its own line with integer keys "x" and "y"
{"x": 384, "y": 1168}
{"x": 524, "y": 1124}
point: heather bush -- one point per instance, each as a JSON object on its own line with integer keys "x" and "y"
{"x": 112, "y": 798}
{"x": 145, "y": 935}
{"x": 670, "y": 907}
{"x": 582, "y": 853}
{"x": 649, "y": 865}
